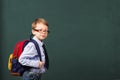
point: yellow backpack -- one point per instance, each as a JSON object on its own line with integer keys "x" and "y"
{"x": 10, "y": 62}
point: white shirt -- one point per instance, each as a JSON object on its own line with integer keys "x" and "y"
{"x": 29, "y": 56}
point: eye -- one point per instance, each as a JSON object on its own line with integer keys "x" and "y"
{"x": 40, "y": 30}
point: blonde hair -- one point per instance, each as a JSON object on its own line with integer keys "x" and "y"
{"x": 39, "y": 20}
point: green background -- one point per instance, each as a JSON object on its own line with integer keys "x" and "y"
{"x": 84, "y": 43}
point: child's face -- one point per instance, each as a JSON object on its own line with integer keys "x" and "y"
{"x": 41, "y": 31}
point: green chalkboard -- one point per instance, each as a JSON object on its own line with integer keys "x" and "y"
{"x": 84, "y": 42}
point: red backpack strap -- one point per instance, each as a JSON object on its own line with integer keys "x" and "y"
{"x": 19, "y": 48}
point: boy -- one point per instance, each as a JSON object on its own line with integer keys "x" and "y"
{"x": 29, "y": 56}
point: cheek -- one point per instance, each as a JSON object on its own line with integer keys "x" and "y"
{"x": 42, "y": 35}
{"x": 45, "y": 35}
{"x": 38, "y": 35}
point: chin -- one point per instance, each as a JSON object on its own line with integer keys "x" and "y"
{"x": 42, "y": 39}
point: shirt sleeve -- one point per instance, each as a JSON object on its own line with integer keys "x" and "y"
{"x": 29, "y": 56}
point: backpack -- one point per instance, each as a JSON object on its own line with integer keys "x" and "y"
{"x": 15, "y": 68}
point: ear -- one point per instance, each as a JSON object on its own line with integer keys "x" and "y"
{"x": 33, "y": 32}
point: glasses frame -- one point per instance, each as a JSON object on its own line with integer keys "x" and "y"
{"x": 39, "y": 30}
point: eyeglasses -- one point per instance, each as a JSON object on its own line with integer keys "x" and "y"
{"x": 40, "y": 30}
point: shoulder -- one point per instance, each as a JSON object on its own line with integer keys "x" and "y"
{"x": 30, "y": 45}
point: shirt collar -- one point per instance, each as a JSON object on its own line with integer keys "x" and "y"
{"x": 38, "y": 41}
